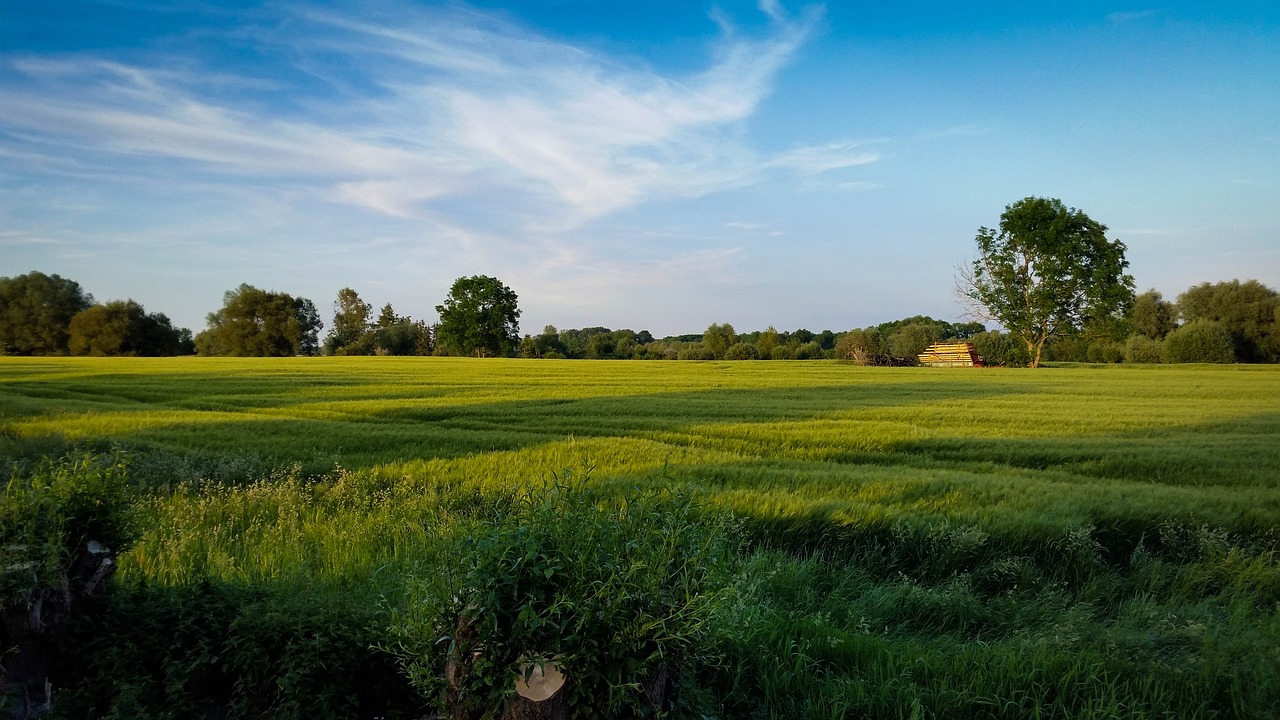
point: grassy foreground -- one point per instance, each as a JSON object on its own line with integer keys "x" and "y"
{"x": 1068, "y": 542}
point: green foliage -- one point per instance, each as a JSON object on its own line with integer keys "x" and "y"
{"x": 616, "y": 593}
{"x": 123, "y": 328}
{"x": 861, "y": 345}
{"x": 1152, "y": 316}
{"x": 351, "y": 320}
{"x": 601, "y": 345}
{"x": 1048, "y": 271}
{"x": 36, "y": 312}
{"x": 916, "y": 542}
{"x": 910, "y": 340}
{"x": 811, "y": 350}
{"x": 1250, "y": 312}
{"x": 782, "y": 352}
{"x": 1199, "y": 341}
{"x": 479, "y": 318}
{"x": 1104, "y": 352}
{"x": 49, "y": 512}
{"x": 230, "y": 651}
{"x": 1000, "y": 349}
{"x": 260, "y": 323}
{"x": 717, "y": 339}
{"x": 767, "y": 343}
{"x": 742, "y": 351}
{"x": 1140, "y": 349}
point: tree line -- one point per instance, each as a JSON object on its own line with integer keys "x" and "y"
{"x": 1223, "y": 322}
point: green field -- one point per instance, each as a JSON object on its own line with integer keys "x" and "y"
{"x": 1068, "y": 542}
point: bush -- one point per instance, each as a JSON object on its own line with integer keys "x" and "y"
{"x": 230, "y": 651}
{"x": 912, "y": 339}
{"x": 860, "y": 346}
{"x": 1104, "y": 352}
{"x": 742, "y": 351}
{"x": 695, "y": 353}
{"x": 1141, "y": 349}
{"x": 616, "y": 595}
{"x": 782, "y": 352}
{"x": 1071, "y": 348}
{"x": 1199, "y": 341}
{"x": 809, "y": 351}
{"x": 1000, "y": 349}
{"x": 47, "y": 516}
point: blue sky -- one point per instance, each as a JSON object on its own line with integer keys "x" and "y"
{"x": 649, "y": 164}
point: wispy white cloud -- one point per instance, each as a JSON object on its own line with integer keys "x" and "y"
{"x": 450, "y": 104}
{"x": 438, "y": 141}
{"x": 968, "y": 130}
{"x": 814, "y": 160}
{"x": 1133, "y": 15}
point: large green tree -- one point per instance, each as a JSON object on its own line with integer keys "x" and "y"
{"x": 480, "y": 318}
{"x": 1152, "y": 316}
{"x": 261, "y": 323}
{"x": 123, "y": 327}
{"x": 351, "y": 320}
{"x": 1047, "y": 272}
{"x": 1250, "y": 311}
{"x": 36, "y": 311}
{"x": 718, "y": 338}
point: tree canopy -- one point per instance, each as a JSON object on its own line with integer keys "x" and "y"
{"x": 261, "y": 323}
{"x": 718, "y": 338}
{"x": 1249, "y": 311}
{"x": 351, "y": 320}
{"x": 36, "y": 311}
{"x": 1152, "y": 316}
{"x": 480, "y": 318}
{"x": 123, "y": 327}
{"x": 1048, "y": 271}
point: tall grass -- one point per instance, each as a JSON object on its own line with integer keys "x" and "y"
{"x": 1075, "y": 542}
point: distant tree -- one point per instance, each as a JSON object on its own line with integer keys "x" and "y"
{"x": 1104, "y": 352}
{"x": 695, "y": 352}
{"x": 36, "y": 311}
{"x": 387, "y": 316}
{"x": 1250, "y": 312}
{"x": 528, "y": 347}
{"x": 1140, "y": 349}
{"x": 351, "y": 320}
{"x": 259, "y": 323}
{"x": 480, "y": 318}
{"x": 601, "y": 345}
{"x": 1000, "y": 349}
{"x": 742, "y": 351}
{"x": 910, "y": 340}
{"x": 861, "y": 346}
{"x": 549, "y": 342}
{"x": 799, "y": 337}
{"x": 403, "y": 336}
{"x": 123, "y": 327}
{"x": 1152, "y": 316}
{"x": 644, "y": 337}
{"x": 809, "y": 351}
{"x": 717, "y": 339}
{"x": 1199, "y": 341}
{"x": 1048, "y": 271}
{"x": 766, "y": 343}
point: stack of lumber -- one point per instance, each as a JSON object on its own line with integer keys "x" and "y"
{"x": 951, "y": 354}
